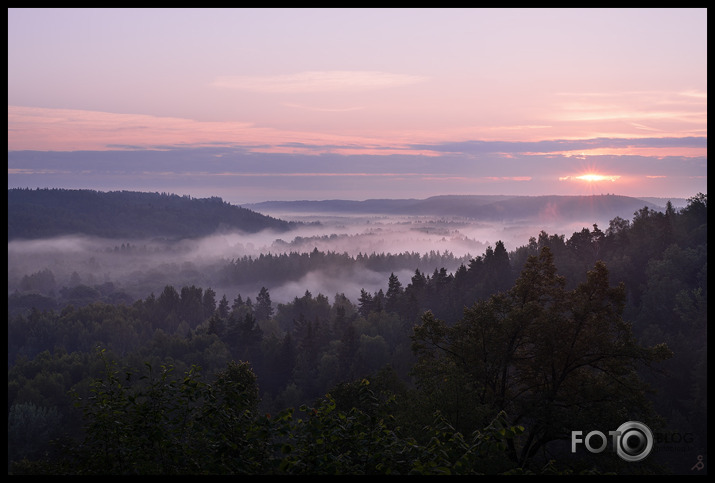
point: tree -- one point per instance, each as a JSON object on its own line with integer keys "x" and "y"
{"x": 414, "y": 295}
{"x": 244, "y": 335}
{"x": 28, "y": 428}
{"x": 217, "y": 325}
{"x": 192, "y": 305}
{"x": 694, "y": 220}
{"x": 162, "y": 424}
{"x": 168, "y": 303}
{"x": 552, "y": 359}
{"x": 349, "y": 344}
{"x": 209, "y": 302}
{"x": 237, "y": 385}
{"x": 497, "y": 267}
{"x": 263, "y": 309}
{"x": 279, "y": 363}
{"x": 237, "y": 303}
{"x": 365, "y": 303}
{"x": 394, "y": 291}
{"x": 223, "y": 307}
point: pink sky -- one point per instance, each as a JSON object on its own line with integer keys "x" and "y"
{"x": 384, "y": 83}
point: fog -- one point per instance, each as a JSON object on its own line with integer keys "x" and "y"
{"x": 141, "y": 267}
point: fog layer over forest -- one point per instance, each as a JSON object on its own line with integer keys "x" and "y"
{"x": 134, "y": 268}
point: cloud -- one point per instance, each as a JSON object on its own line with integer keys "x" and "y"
{"x": 47, "y": 129}
{"x": 561, "y": 145}
{"x": 685, "y": 107}
{"x": 318, "y": 81}
{"x": 72, "y": 130}
{"x": 520, "y": 164}
{"x": 694, "y": 93}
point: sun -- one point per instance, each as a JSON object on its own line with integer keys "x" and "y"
{"x": 594, "y": 177}
{"x": 591, "y": 177}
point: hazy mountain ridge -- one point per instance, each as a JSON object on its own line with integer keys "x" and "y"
{"x": 387, "y": 206}
{"x": 661, "y": 202}
{"x": 478, "y": 207}
{"x": 43, "y": 213}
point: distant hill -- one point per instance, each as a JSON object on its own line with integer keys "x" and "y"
{"x": 434, "y": 205}
{"x": 478, "y": 207}
{"x": 661, "y": 202}
{"x": 42, "y": 213}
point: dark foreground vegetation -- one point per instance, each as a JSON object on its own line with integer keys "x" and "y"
{"x": 487, "y": 369}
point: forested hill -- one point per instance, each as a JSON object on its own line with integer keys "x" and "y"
{"x": 41, "y": 213}
{"x": 480, "y": 207}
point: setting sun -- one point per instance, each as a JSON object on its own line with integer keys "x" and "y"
{"x": 592, "y": 177}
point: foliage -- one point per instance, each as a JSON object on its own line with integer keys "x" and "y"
{"x": 514, "y": 308}
{"x": 44, "y": 213}
{"x": 160, "y": 424}
{"x": 554, "y": 358}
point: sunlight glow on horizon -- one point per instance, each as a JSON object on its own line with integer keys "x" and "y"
{"x": 593, "y": 177}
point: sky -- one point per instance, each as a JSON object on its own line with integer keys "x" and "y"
{"x": 283, "y": 104}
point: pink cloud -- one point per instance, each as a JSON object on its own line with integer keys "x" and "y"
{"x": 31, "y": 128}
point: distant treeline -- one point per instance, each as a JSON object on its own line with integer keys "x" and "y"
{"x": 43, "y": 290}
{"x": 281, "y": 267}
{"x": 44, "y": 213}
{"x": 459, "y": 343}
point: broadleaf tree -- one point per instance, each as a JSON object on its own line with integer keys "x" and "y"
{"x": 554, "y": 360}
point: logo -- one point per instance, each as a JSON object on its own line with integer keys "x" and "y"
{"x": 632, "y": 441}
{"x": 635, "y": 441}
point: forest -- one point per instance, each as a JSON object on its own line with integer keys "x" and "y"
{"x": 42, "y": 213}
{"x": 469, "y": 365}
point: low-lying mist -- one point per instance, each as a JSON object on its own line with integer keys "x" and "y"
{"x": 137, "y": 268}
